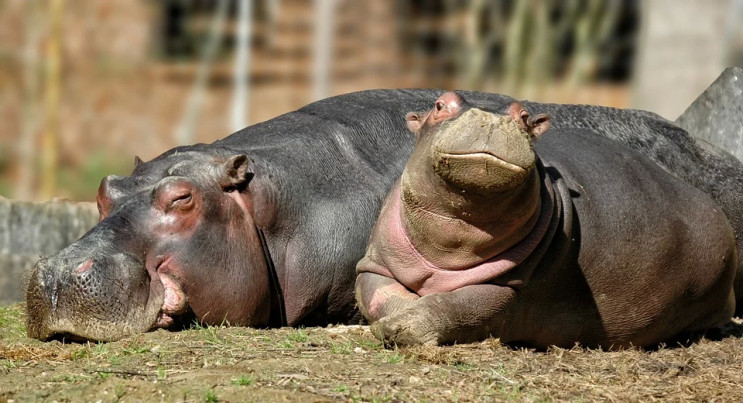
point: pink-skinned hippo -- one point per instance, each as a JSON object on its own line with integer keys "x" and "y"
{"x": 499, "y": 227}
{"x": 265, "y": 227}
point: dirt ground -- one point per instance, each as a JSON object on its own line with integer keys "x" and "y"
{"x": 347, "y": 363}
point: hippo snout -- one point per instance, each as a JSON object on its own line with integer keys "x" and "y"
{"x": 482, "y": 152}
{"x": 79, "y": 296}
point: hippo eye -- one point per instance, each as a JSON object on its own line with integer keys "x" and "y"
{"x": 181, "y": 201}
{"x": 439, "y": 105}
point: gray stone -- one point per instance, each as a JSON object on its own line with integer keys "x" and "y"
{"x": 30, "y": 230}
{"x": 716, "y": 116}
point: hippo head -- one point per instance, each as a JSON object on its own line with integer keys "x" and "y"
{"x": 176, "y": 236}
{"x": 473, "y": 151}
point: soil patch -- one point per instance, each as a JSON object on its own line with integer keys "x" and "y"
{"x": 347, "y": 363}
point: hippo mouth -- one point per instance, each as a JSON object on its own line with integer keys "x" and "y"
{"x": 174, "y": 301}
{"x": 478, "y": 171}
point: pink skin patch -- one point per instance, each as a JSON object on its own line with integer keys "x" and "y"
{"x": 403, "y": 262}
{"x": 382, "y": 295}
{"x": 174, "y": 299}
{"x": 85, "y": 266}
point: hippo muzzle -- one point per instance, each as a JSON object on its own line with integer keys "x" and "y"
{"x": 91, "y": 296}
{"x": 483, "y": 152}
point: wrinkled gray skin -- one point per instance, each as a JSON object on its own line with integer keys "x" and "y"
{"x": 313, "y": 181}
{"x": 633, "y": 260}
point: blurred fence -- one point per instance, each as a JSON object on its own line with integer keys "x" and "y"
{"x": 136, "y": 77}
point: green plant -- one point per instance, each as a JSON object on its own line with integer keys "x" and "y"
{"x": 395, "y": 358}
{"x": 210, "y": 396}
{"x": 245, "y": 380}
{"x": 8, "y": 364}
{"x": 298, "y": 336}
{"x": 114, "y": 360}
{"x": 463, "y": 366}
{"x": 208, "y": 332}
{"x": 340, "y": 348}
{"x": 100, "y": 349}
{"x": 119, "y": 391}
{"x": 371, "y": 345}
{"x": 80, "y": 354}
{"x": 12, "y": 324}
{"x": 135, "y": 349}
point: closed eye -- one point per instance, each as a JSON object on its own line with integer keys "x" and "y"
{"x": 181, "y": 201}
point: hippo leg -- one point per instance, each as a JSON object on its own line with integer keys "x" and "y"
{"x": 465, "y": 315}
{"x": 379, "y": 296}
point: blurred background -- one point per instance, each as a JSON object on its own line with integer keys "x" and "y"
{"x": 86, "y": 85}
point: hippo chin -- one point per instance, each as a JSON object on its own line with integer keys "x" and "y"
{"x": 588, "y": 242}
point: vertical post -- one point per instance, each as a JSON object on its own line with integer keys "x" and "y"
{"x": 50, "y": 136}
{"x": 324, "y": 24}
{"x": 26, "y": 153}
{"x": 241, "y": 96}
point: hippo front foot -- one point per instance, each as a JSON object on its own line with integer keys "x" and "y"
{"x": 406, "y": 328}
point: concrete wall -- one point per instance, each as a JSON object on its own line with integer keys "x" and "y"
{"x": 30, "y": 230}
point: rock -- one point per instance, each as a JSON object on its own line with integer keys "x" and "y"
{"x": 716, "y": 116}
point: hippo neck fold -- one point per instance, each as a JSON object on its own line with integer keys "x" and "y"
{"x": 418, "y": 273}
{"x": 277, "y": 317}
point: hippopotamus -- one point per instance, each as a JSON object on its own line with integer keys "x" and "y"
{"x": 499, "y": 227}
{"x": 265, "y": 227}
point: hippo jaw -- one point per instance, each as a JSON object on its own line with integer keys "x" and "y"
{"x": 482, "y": 152}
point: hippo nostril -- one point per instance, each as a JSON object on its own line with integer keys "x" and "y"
{"x": 83, "y": 267}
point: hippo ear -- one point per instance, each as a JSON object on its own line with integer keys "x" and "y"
{"x": 534, "y": 126}
{"x": 235, "y": 174}
{"x": 538, "y": 125}
{"x": 519, "y": 114}
{"x": 414, "y": 121}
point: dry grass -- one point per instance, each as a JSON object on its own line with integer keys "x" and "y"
{"x": 347, "y": 363}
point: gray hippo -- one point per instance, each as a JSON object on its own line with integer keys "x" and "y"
{"x": 265, "y": 227}
{"x": 574, "y": 239}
